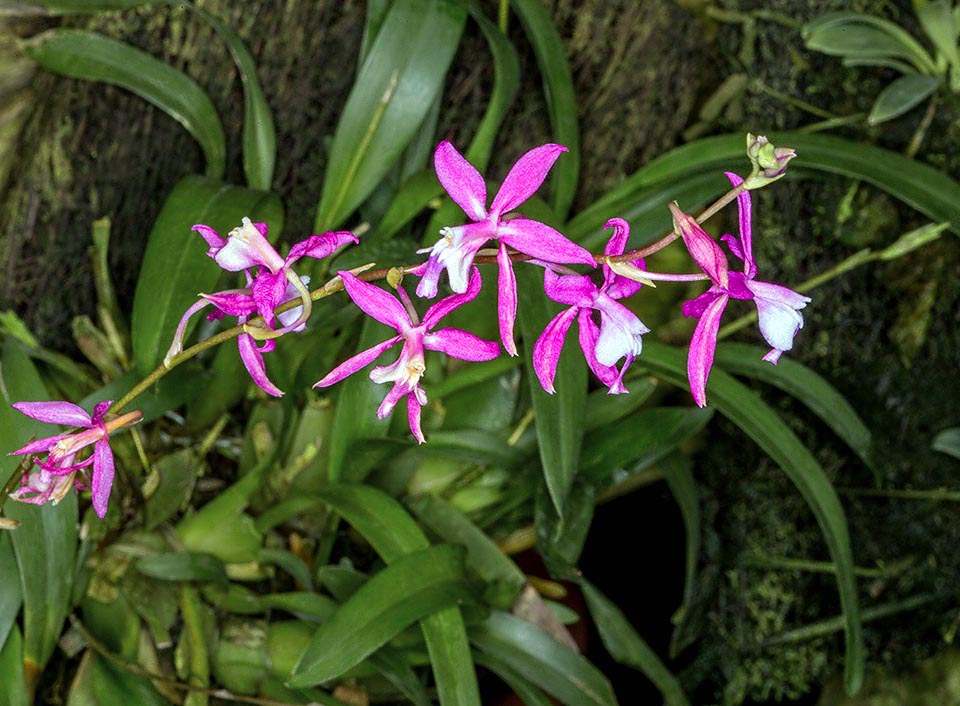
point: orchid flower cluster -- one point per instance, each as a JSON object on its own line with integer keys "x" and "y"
{"x": 610, "y": 334}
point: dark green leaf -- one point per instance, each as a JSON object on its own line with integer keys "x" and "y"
{"x": 762, "y": 424}
{"x": 259, "y": 135}
{"x": 627, "y": 647}
{"x": 13, "y": 689}
{"x": 807, "y": 386}
{"x": 474, "y": 446}
{"x": 470, "y": 375}
{"x": 99, "y": 683}
{"x": 604, "y": 409}
{"x": 306, "y": 606}
{"x": 45, "y": 544}
{"x": 175, "y": 388}
{"x": 940, "y": 24}
{"x": 902, "y": 95}
{"x": 84, "y": 7}
{"x": 183, "y": 566}
{"x": 559, "y": 417}
{"x": 852, "y": 35}
{"x": 289, "y": 562}
{"x": 176, "y": 476}
{"x": 175, "y": 267}
{"x": 412, "y": 587}
{"x": 90, "y": 56}
{"x": 543, "y": 660}
{"x": 522, "y": 687}
{"x": 10, "y": 596}
{"x": 414, "y": 48}
{"x": 395, "y": 669}
{"x": 411, "y": 198}
{"x": 560, "y": 540}
{"x": 561, "y": 100}
{"x": 948, "y": 442}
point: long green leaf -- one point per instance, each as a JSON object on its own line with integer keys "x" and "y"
{"x": 543, "y": 660}
{"x": 99, "y": 683}
{"x": 762, "y": 424}
{"x": 259, "y": 134}
{"x": 175, "y": 267}
{"x": 90, "y": 56}
{"x": 561, "y": 100}
{"x": 902, "y": 95}
{"x": 13, "y": 691}
{"x": 10, "y": 596}
{"x": 397, "y": 83}
{"x": 45, "y": 544}
{"x": 84, "y": 7}
{"x": 522, "y": 687}
{"x": 801, "y": 382}
{"x": 411, "y": 588}
{"x": 558, "y": 417}
{"x": 627, "y": 647}
{"x": 393, "y": 533}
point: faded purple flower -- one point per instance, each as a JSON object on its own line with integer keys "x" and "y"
{"x": 619, "y": 333}
{"x": 417, "y": 336}
{"x": 778, "y": 307}
{"x": 273, "y": 284}
{"x": 455, "y": 251}
{"x": 58, "y": 472}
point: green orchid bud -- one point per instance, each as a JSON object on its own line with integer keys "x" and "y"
{"x": 769, "y": 162}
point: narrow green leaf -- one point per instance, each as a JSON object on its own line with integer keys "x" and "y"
{"x": 801, "y": 382}
{"x": 177, "y": 387}
{"x": 940, "y": 25}
{"x": 183, "y": 566}
{"x": 948, "y": 442}
{"x": 175, "y": 267}
{"x": 559, "y": 417}
{"x": 411, "y": 198}
{"x": 395, "y": 670}
{"x": 543, "y": 660}
{"x": 522, "y": 687}
{"x": 627, "y": 647}
{"x": 13, "y": 689}
{"x": 604, "y": 409}
{"x": 10, "y": 596}
{"x": 86, "y": 7}
{"x": 470, "y": 375}
{"x": 259, "y": 134}
{"x": 99, "y": 683}
{"x": 474, "y": 446}
{"x": 80, "y": 54}
{"x": 412, "y": 587}
{"x": 45, "y": 544}
{"x": 762, "y": 424}
{"x": 396, "y": 85}
{"x": 560, "y": 540}
{"x": 902, "y": 95}
{"x": 561, "y": 100}
{"x": 452, "y": 526}
{"x": 852, "y": 35}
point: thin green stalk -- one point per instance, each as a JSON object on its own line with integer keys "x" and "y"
{"x": 937, "y": 494}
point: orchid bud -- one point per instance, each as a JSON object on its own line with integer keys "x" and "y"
{"x": 769, "y": 162}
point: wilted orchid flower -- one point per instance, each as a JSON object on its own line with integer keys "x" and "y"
{"x": 273, "y": 284}
{"x": 417, "y": 336}
{"x": 778, "y": 307}
{"x": 618, "y": 335}
{"x": 455, "y": 251}
{"x": 57, "y": 473}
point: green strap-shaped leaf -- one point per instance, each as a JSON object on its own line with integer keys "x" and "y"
{"x": 45, "y": 544}
{"x": 411, "y": 588}
{"x": 543, "y": 660}
{"x": 561, "y": 100}
{"x": 559, "y": 417}
{"x": 758, "y": 421}
{"x": 259, "y": 134}
{"x": 13, "y": 690}
{"x": 393, "y": 533}
{"x": 397, "y": 83}
{"x": 560, "y": 540}
{"x": 853, "y": 35}
{"x": 948, "y": 442}
{"x": 86, "y": 7}
{"x": 627, "y": 647}
{"x": 90, "y": 56}
{"x": 930, "y": 191}
{"x": 10, "y": 596}
{"x": 99, "y": 683}
{"x": 902, "y": 95}
{"x": 529, "y": 694}
{"x": 801, "y": 382}
{"x": 175, "y": 265}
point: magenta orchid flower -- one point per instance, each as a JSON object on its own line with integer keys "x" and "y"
{"x": 455, "y": 251}
{"x": 619, "y": 333}
{"x": 417, "y": 336}
{"x": 56, "y": 474}
{"x": 273, "y": 284}
{"x": 778, "y": 307}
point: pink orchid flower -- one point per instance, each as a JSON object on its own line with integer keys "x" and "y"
{"x": 455, "y": 251}
{"x": 778, "y": 307}
{"x": 273, "y": 284}
{"x": 58, "y": 472}
{"x": 619, "y": 333}
{"x": 417, "y": 336}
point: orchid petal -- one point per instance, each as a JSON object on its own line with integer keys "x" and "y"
{"x": 253, "y": 362}
{"x": 778, "y": 293}
{"x": 744, "y": 207}
{"x": 702, "y": 248}
{"x": 779, "y": 321}
{"x": 506, "y": 301}
{"x": 247, "y": 246}
{"x": 694, "y": 308}
{"x": 320, "y": 246}
{"x": 39, "y": 445}
{"x": 461, "y": 181}
{"x": 103, "y": 472}
{"x": 702, "y": 347}
{"x": 574, "y": 290}
{"x": 232, "y": 303}
{"x": 620, "y": 333}
{"x": 413, "y": 416}
{"x": 733, "y": 242}
{"x": 461, "y": 344}
{"x": 375, "y": 302}
{"x": 621, "y": 234}
{"x": 357, "y": 362}
{"x": 525, "y": 177}
{"x": 211, "y": 236}
{"x": 542, "y": 242}
{"x": 619, "y": 287}
{"x": 772, "y": 356}
{"x": 65, "y": 413}
{"x": 390, "y": 401}
{"x": 546, "y": 351}
{"x": 99, "y": 410}
{"x": 430, "y": 278}
{"x": 443, "y": 307}
{"x": 589, "y": 334}
{"x": 268, "y": 291}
